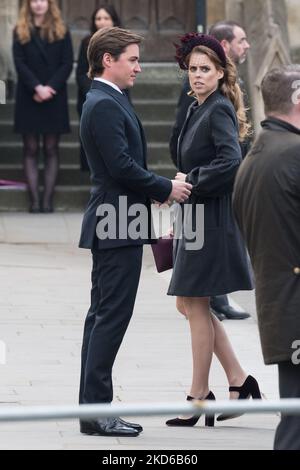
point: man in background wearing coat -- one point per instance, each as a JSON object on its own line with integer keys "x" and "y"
{"x": 114, "y": 142}
{"x": 267, "y": 206}
{"x": 235, "y": 44}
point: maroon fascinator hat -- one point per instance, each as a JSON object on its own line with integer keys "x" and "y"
{"x": 191, "y": 40}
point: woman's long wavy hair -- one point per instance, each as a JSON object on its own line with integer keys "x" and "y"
{"x": 52, "y": 29}
{"x": 229, "y": 87}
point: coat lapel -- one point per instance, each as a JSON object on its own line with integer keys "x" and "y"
{"x": 189, "y": 113}
{"x": 124, "y": 102}
{"x": 120, "y": 98}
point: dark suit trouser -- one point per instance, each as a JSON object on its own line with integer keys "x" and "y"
{"x": 115, "y": 279}
{"x": 287, "y": 435}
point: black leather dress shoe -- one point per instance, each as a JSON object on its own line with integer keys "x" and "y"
{"x": 230, "y": 313}
{"x": 136, "y": 426}
{"x": 107, "y": 427}
{"x": 219, "y": 315}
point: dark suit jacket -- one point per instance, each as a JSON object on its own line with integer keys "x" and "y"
{"x": 114, "y": 142}
{"x": 39, "y": 62}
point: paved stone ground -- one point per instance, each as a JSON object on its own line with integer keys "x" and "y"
{"x": 44, "y": 285}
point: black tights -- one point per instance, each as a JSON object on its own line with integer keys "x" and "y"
{"x": 31, "y": 157}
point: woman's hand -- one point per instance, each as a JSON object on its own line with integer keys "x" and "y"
{"x": 37, "y": 98}
{"x": 44, "y": 93}
{"x": 51, "y": 90}
{"x": 180, "y": 176}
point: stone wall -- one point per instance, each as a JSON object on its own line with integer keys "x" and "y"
{"x": 293, "y": 9}
{"x": 216, "y": 11}
{"x": 8, "y": 18}
{"x": 266, "y": 25}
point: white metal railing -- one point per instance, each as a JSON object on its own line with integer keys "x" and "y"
{"x": 41, "y": 413}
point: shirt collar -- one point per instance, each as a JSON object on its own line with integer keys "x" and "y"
{"x": 107, "y": 82}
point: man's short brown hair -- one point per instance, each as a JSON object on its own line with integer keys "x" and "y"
{"x": 108, "y": 40}
{"x": 279, "y": 87}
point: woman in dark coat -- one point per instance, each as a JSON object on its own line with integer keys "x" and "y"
{"x": 103, "y": 16}
{"x": 43, "y": 58}
{"x": 209, "y": 155}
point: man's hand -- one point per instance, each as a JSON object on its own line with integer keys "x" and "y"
{"x": 181, "y": 191}
{"x": 180, "y": 177}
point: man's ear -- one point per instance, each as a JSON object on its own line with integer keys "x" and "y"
{"x": 226, "y": 46}
{"x": 107, "y": 60}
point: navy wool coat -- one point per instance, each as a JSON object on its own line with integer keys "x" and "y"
{"x": 39, "y": 62}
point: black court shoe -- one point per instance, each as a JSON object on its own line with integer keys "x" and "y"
{"x": 249, "y": 389}
{"x": 209, "y": 420}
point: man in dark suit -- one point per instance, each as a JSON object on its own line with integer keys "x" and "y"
{"x": 235, "y": 44}
{"x": 266, "y": 203}
{"x": 114, "y": 142}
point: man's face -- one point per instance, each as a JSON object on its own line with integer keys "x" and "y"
{"x": 124, "y": 70}
{"x": 239, "y": 46}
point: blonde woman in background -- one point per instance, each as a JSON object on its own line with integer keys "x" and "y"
{"x": 43, "y": 56}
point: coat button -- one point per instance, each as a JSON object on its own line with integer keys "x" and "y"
{"x": 297, "y": 271}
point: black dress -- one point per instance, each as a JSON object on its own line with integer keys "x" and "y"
{"x": 209, "y": 153}
{"x": 39, "y": 62}
{"x": 83, "y": 84}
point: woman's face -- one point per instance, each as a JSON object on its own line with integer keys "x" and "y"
{"x": 39, "y": 7}
{"x": 103, "y": 19}
{"x": 203, "y": 75}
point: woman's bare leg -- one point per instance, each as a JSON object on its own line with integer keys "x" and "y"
{"x": 226, "y": 355}
{"x": 203, "y": 339}
{"x": 223, "y": 350}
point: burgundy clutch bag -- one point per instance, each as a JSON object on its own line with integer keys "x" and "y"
{"x": 163, "y": 253}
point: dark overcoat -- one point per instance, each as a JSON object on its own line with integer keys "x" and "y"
{"x": 184, "y": 102}
{"x": 39, "y": 62}
{"x": 209, "y": 153}
{"x": 267, "y": 206}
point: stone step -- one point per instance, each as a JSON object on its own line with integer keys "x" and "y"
{"x": 71, "y": 175}
{"x": 11, "y": 153}
{"x": 68, "y": 175}
{"x": 147, "y": 110}
{"x": 156, "y": 131}
{"x": 67, "y": 197}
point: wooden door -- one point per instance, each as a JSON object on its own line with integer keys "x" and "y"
{"x": 159, "y": 21}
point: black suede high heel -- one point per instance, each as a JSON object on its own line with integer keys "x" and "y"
{"x": 209, "y": 420}
{"x": 249, "y": 389}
